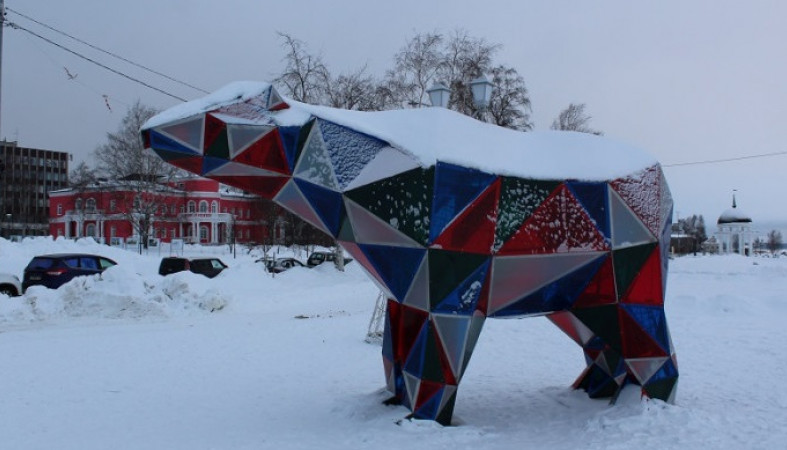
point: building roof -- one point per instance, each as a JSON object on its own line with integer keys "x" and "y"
{"x": 733, "y": 215}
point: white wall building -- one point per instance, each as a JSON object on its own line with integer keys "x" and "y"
{"x": 735, "y": 234}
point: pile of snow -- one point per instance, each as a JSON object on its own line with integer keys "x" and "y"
{"x": 134, "y": 360}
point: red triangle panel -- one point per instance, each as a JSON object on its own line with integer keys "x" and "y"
{"x": 473, "y": 231}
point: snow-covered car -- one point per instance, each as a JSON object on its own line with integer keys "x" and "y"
{"x": 279, "y": 265}
{"x": 317, "y": 258}
{"x": 10, "y": 285}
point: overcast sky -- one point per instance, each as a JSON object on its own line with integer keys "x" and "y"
{"x": 686, "y": 80}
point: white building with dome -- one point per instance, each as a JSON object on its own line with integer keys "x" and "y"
{"x": 735, "y": 234}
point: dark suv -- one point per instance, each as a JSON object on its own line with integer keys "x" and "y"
{"x": 55, "y": 270}
{"x": 210, "y": 267}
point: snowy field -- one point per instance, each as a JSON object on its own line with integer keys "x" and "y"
{"x": 133, "y": 360}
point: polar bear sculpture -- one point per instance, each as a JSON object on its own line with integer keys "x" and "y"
{"x": 458, "y": 221}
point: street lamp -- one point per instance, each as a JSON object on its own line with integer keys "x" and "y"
{"x": 482, "y": 92}
{"x": 439, "y": 94}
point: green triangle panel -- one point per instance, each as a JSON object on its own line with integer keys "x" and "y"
{"x": 189, "y": 132}
{"x": 604, "y": 322}
{"x": 214, "y": 127}
{"x": 370, "y": 229}
{"x": 514, "y": 277}
{"x": 448, "y": 270}
{"x": 219, "y": 148}
{"x": 402, "y": 201}
{"x": 519, "y": 197}
{"x": 647, "y": 287}
{"x": 627, "y": 228}
{"x": 628, "y": 262}
{"x": 314, "y": 164}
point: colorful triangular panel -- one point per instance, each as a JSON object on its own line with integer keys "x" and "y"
{"x": 519, "y": 197}
{"x": 514, "y": 277}
{"x": 396, "y": 265}
{"x": 189, "y": 132}
{"x": 560, "y": 224}
{"x": 314, "y": 163}
{"x": 291, "y": 198}
{"x": 404, "y": 201}
{"x": 627, "y": 228}
{"x": 350, "y": 151}
{"x": 370, "y": 229}
{"x": 161, "y": 142}
{"x": 474, "y": 230}
{"x": 289, "y": 139}
{"x": 641, "y": 193}
{"x": 558, "y": 295}
{"x": 326, "y": 203}
{"x": 647, "y": 285}
{"x": 387, "y": 163}
{"x": 453, "y": 331}
{"x": 594, "y": 198}
{"x": 628, "y": 262}
{"x": 454, "y": 188}
{"x": 463, "y": 300}
{"x": 242, "y": 136}
{"x": 449, "y": 270}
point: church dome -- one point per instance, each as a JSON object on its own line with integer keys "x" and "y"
{"x": 733, "y": 215}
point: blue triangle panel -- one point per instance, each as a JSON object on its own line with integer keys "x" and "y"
{"x": 652, "y": 320}
{"x": 430, "y": 408}
{"x": 668, "y": 370}
{"x": 396, "y": 265}
{"x": 327, "y": 203}
{"x": 454, "y": 188}
{"x": 415, "y": 360}
{"x": 210, "y": 164}
{"x": 593, "y": 197}
{"x": 289, "y": 138}
{"x": 161, "y": 142}
{"x": 387, "y": 338}
{"x": 464, "y": 299}
{"x": 556, "y": 296}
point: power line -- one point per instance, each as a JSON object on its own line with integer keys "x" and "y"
{"x": 117, "y": 72}
{"x": 108, "y": 52}
{"x": 715, "y": 161}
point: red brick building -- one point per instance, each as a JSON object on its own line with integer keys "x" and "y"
{"x": 196, "y": 210}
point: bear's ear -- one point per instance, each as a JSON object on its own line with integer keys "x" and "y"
{"x": 275, "y": 101}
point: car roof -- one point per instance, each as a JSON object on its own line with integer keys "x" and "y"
{"x": 70, "y": 255}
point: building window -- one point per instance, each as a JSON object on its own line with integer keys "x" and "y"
{"x": 172, "y": 233}
{"x": 90, "y": 229}
{"x": 78, "y": 204}
{"x": 182, "y": 209}
{"x": 113, "y": 231}
{"x": 59, "y": 209}
{"x": 192, "y": 206}
{"x": 113, "y": 205}
{"x": 203, "y": 206}
{"x": 90, "y": 205}
{"x": 214, "y": 207}
{"x": 173, "y": 209}
{"x": 203, "y": 233}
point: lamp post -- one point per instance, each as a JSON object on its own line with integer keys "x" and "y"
{"x": 439, "y": 94}
{"x": 482, "y": 93}
{"x": 481, "y": 88}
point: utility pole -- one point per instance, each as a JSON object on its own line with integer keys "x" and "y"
{"x": 2, "y": 26}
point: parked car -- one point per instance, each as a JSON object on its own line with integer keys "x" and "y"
{"x": 55, "y": 270}
{"x": 10, "y": 285}
{"x": 279, "y": 265}
{"x": 317, "y": 258}
{"x": 210, "y": 267}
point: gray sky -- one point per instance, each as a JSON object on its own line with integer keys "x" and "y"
{"x": 686, "y": 80}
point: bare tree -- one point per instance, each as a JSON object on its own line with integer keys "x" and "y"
{"x": 355, "y": 90}
{"x": 305, "y": 76}
{"x": 141, "y": 176}
{"x": 774, "y": 240}
{"x": 574, "y": 118}
{"x": 510, "y": 103}
{"x": 465, "y": 58}
{"x": 416, "y": 66}
{"x": 82, "y": 177}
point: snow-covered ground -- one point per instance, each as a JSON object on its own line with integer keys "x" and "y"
{"x": 132, "y": 360}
